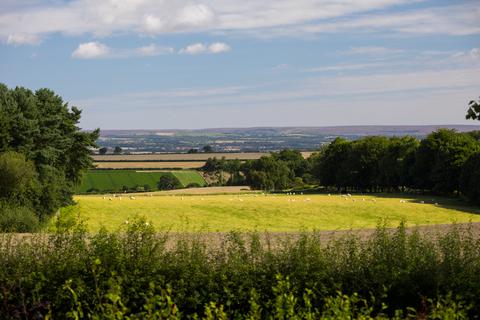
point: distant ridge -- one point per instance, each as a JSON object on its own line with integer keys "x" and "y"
{"x": 417, "y": 130}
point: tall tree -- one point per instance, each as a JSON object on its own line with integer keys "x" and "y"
{"x": 43, "y": 128}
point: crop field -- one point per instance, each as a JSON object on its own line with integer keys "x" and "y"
{"x": 114, "y": 180}
{"x": 149, "y": 165}
{"x": 183, "y": 156}
{"x": 253, "y": 211}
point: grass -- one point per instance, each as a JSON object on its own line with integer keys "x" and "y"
{"x": 212, "y": 213}
{"x": 114, "y": 180}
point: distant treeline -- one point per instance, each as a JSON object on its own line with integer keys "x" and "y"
{"x": 42, "y": 156}
{"x": 444, "y": 162}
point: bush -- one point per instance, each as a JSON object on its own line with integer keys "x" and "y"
{"x": 194, "y": 185}
{"x": 134, "y": 273}
{"x": 168, "y": 182}
{"x": 17, "y": 219}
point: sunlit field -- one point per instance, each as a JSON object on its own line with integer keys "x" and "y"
{"x": 246, "y": 212}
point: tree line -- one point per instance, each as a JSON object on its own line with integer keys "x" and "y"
{"x": 43, "y": 153}
{"x": 445, "y": 162}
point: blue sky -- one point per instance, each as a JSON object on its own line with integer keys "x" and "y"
{"x": 162, "y": 64}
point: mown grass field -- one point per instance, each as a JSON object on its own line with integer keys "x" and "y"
{"x": 114, "y": 180}
{"x": 244, "y": 212}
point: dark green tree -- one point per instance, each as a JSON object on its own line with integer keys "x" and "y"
{"x": 43, "y": 128}
{"x": 207, "y": 149}
{"x": 473, "y": 111}
{"x": 103, "y": 150}
{"x": 439, "y": 160}
{"x": 168, "y": 182}
{"x": 470, "y": 178}
{"x": 117, "y": 150}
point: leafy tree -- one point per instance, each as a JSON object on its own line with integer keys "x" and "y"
{"x": 103, "y": 150}
{"x": 267, "y": 173}
{"x": 470, "y": 178}
{"x": 473, "y": 111}
{"x": 325, "y": 165}
{"x": 294, "y": 160}
{"x": 207, "y": 149}
{"x": 117, "y": 150}
{"x": 45, "y": 130}
{"x": 18, "y": 177}
{"x": 396, "y": 161}
{"x": 439, "y": 159}
{"x": 192, "y": 151}
{"x": 168, "y": 182}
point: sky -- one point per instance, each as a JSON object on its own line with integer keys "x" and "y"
{"x": 180, "y": 64}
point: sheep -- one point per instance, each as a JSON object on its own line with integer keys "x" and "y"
{"x": 132, "y": 198}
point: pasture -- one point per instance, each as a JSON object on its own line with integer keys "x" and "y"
{"x": 115, "y": 180}
{"x": 277, "y": 213}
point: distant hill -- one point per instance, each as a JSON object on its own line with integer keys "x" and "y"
{"x": 256, "y": 139}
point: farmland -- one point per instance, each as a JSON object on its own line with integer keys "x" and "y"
{"x": 183, "y": 156}
{"x": 247, "y": 212}
{"x": 149, "y": 164}
{"x": 115, "y": 180}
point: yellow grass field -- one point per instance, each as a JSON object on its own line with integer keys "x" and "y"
{"x": 150, "y": 165}
{"x": 253, "y": 211}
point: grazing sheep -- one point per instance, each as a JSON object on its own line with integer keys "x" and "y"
{"x": 110, "y": 199}
{"x": 132, "y": 198}
{"x": 422, "y": 201}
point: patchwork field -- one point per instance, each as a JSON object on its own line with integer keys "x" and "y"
{"x": 183, "y": 156}
{"x": 219, "y": 213}
{"x": 115, "y": 180}
{"x": 149, "y": 165}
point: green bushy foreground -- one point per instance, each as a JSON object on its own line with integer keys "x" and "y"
{"x": 137, "y": 273}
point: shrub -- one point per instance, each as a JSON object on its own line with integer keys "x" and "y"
{"x": 17, "y": 219}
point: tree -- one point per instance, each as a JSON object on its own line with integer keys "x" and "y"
{"x": 18, "y": 177}
{"x": 473, "y": 111}
{"x": 192, "y": 151}
{"x": 207, "y": 149}
{"x": 103, "y": 150}
{"x": 168, "y": 182}
{"x": 117, "y": 150}
{"x": 440, "y": 158}
{"x": 43, "y": 128}
{"x": 470, "y": 178}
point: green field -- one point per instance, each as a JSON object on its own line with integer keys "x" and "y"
{"x": 114, "y": 180}
{"x": 271, "y": 212}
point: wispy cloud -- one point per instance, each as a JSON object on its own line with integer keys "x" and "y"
{"x": 373, "y": 51}
{"x": 198, "y": 48}
{"x": 23, "y": 24}
{"x": 97, "y": 50}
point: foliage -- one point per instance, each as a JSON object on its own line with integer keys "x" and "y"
{"x": 16, "y": 218}
{"x": 54, "y": 151}
{"x": 470, "y": 178}
{"x": 473, "y": 111}
{"x": 168, "y": 182}
{"x": 117, "y": 150}
{"x": 103, "y": 150}
{"x": 134, "y": 274}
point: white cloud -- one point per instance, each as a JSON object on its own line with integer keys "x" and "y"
{"x": 260, "y": 18}
{"x": 19, "y": 39}
{"x": 195, "y": 48}
{"x": 91, "y": 50}
{"x": 347, "y": 67}
{"x": 374, "y": 51}
{"x": 95, "y": 50}
{"x": 153, "y": 50}
{"x": 198, "y": 48}
{"x": 218, "y": 47}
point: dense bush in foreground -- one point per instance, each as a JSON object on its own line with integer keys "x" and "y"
{"x": 141, "y": 274}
